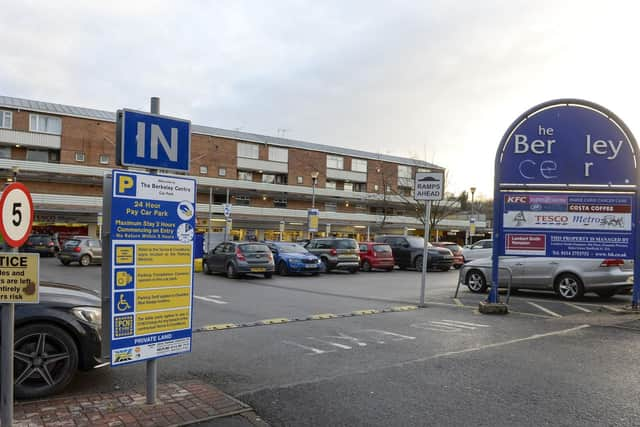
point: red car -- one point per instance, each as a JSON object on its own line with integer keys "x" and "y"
{"x": 456, "y": 250}
{"x": 375, "y": 255}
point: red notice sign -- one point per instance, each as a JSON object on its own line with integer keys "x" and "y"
{"x": 525, "y": 244}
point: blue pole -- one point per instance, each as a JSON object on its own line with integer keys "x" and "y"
{"x": 636, "y": 264}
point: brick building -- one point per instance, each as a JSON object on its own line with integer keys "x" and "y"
{"x": 62, "y": 152}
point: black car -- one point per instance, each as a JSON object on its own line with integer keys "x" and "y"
{"x": 408, "y": 253}
{"x": 44, "y": 244}
{"x": 238, "y": 258}
{"x": 55, "y": 338}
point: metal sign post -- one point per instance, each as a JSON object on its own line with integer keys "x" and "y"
{"x": 566, "y": 185}
{"x": 429, "y": 186}
{"x": 16, "y": 207}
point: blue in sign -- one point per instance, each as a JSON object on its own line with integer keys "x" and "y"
{"x": 153, "y": 141}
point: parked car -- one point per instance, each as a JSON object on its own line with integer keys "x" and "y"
{"x": 336, "y": 253}
{"x": 408, "y": 253}
{"x": 81, "y": 249}
{"x": 55, "y": 338}
{"x": 480, "y": 249}
{"x": 44, "y": 244}
{"x": 238, "y": 258}
{"x": 376, "y": 256}
{"x": 293, "y": 258}
{"x": 456, "y": 250}
{"x": 569, "y": 278}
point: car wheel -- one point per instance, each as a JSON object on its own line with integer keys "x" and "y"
{"x": 354, "y": 270}
{"x": 65, "y": 262}
{"x": 476, "y": 282}
{"x": 85, "y": 260}
{"x": 282, "y": 268}
{"x": 417, "y": 264}
{"x": 231, "y": 271}
{"x": 268, "y": 275}
{"x": 366, "y": 266}
{"x": 569, "y": 287}
{"x": 606, "y": 293}
{"x": 45, "y": 360}
{"x": 205, "y": 268}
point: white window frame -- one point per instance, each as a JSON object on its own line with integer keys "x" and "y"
{"x": 284, "y": 203}
{"x": 45, "y": 124}
{"x": 243, "y": 200}
{"x": 405, "y": 171}
{"x": 6, "y": 119}
{"x": 33, "y": 151}
{"x": 277, "y": 154}
{"x": 103, "y": 159}
{"x": 268, "y": 178}
{"x": 300, "y": 180}
{"x": 245, "y": 176}
{"x": 79, "y": 156}
{"x": 5, "y": 152}
{"x": 335, "y": 162}
{"x": 204, "y": 169}
{"x": 348, "y": 186}
{"x": 359, "y": 165}
{"x": 222, "y": 171}
{"x": 330, "y": 206}
{"x": 330, "y": 184}
{"x": 248, "y": 151}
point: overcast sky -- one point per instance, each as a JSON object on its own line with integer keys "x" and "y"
{"x": 437, "y": 80}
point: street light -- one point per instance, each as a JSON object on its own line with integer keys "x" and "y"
{"x": 314, "y": 181}
{"x": 472, "y": 230}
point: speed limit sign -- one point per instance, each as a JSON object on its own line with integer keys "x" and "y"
{"x": 16, "y": 210}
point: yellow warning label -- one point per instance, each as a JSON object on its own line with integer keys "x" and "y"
{"x": 148, "y": 323}
{"x": 158, "y": 277}
{"x": 124, "y": 254}
{"x": 163, "y": 254}
{"x": 19, "y": 280}
{"x": 160, "y": 299}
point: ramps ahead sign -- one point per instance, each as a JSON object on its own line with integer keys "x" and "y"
{"x": 429, "y": 186}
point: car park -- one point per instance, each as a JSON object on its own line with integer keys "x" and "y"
{"x": 43, "y": 244}
{"x": 239, "y": 258}
{"x": 408, "y": 252}
{"x": 456, "y": 250}
{"x": 81, "y": 249}
{"x": 55, "y": 338}
{"x": 480, "y": 249}
{"x": 376, "y": 256}
{"x": 336, "y": 253}
{"x": 292, "y": 258}
{"x": 569, "y": 278}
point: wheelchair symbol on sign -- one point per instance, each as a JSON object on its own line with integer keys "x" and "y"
{"x": 123, "y": 304}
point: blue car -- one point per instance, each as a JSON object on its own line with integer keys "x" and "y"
{"x": 292, "y": 258}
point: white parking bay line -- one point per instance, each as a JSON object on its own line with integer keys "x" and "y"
{"x": 586, "y": 310}
{"x": 209, "y": 299}
{"x": 457, "y": 322}
{"x": 546, "y": 310}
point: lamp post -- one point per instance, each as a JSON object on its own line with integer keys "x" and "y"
{"x": 472, "y": 228}
{"x": 314, "y": 181}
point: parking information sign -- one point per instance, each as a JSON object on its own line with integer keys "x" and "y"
{"x": 152, "y": 231}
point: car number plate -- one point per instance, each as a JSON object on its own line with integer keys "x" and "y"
{"x": 310, "y": 266}
{"x": 258, "y": 269}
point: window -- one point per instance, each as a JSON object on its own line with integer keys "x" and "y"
{"x": 278, "y": 154}
{"x": 245, "y": 176}
{"x": 282, "y": 179}
{"x": 361, "y": 207}
{"x": 376, "y": 187}
{"x": 37, "y": 155}
{"x": 222, "y": 171}
{"x": 45, "y": 124}
{"x": 268, "y": 178}
{"x": 330, "y": 206}
{"x": 5, "y": 152}
{"x": 242, "y": 200}
{"x": 360, "y": 187}
{"x": 6, "y": 119}
{"x": 249, "y": 151}
{"x": 358, "y": 165}
{"x": 204, "y": 170}
{"x": 79, "y": 156}
{"x": 300, "y": 180}
{"x": 104, "y": 159}
{"x": 387, "y": 188}
{"x": 348, "y": 186}
{"x": 404, "y": 171}
{"x": 280, "y": 203}
{"x": 335, "y": 162}
{"x": 330, "y": 184}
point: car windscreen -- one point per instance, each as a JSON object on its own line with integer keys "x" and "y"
{"x": 71, "y": 243}
{"x": 346, "y": 244}
{"x": 453, "y": 248}
{"x": 38, "y": 240}
{"x": 381, "y": 248}
{"x": 415, "y": 241}
{"x": 292, "y": 249}
{"x": 253, "y": 248}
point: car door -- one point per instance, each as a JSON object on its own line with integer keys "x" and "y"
{"x": 96, "y": 249}
{"x": 539, "y": 272}
{"x": 215, "y": 260}
{"x": 395, "y": 248}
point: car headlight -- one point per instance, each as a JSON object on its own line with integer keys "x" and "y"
{"x": 91, "y": 315}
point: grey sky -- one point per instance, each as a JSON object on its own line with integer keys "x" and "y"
{"x": 438, "y": 80}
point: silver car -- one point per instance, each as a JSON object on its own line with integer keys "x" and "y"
{"x": 569, "y": 278}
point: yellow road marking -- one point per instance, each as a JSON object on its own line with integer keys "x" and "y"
{"x": 274, "y": 321}
{"x": 323, "y": 316}
{"x": 458, "y": 302}
{"x": 405, "y": 308}
{"x": 363, "y": 312}
{"x": 219, "y": 326}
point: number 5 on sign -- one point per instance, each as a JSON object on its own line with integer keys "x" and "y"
{"x": 16, "y": 210}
